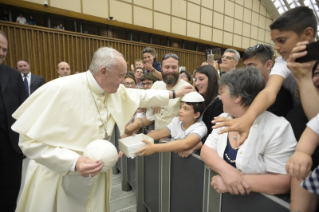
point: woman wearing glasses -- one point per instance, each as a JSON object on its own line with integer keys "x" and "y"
{"x": 150, "y": 64}
{"x": 206, "y": 83}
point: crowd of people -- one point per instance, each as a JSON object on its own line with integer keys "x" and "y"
{"x": 245, "y": 121}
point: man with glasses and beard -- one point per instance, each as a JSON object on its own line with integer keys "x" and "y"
{"x": 171, "y": 81}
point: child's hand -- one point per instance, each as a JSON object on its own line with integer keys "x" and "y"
{"x": 299, "y": 165}
{"x": 300, "y": 70}
{"x": 120, "y": 155}
{"x": 186, "y": 153}
{"x": 241, "y": 125}
{"x": 149, "y": 149}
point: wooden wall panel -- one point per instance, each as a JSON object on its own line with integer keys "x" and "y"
{"x": 44, "y": 48}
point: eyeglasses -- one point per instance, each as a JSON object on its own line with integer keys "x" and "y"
{"x": 258, "y": 48}
{"x": 170, "y": 55}
{"x": 129, "y": 83}
{"x": 147, "y": 84}
{"x": 183, "y": 76}
{"x": 228, "y": 57}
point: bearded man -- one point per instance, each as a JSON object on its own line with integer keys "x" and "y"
{"x": 164, "y": 114}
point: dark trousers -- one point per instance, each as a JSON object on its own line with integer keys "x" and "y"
{"x": 10, "y": 174}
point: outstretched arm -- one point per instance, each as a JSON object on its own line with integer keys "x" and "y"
{"x": 186, "y": 153}
{"x": 157, "y": 134}
{"x": 177, "y": 145}
{"x": 261, "y": 103}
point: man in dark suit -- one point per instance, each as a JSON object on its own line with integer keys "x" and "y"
{"x": 12, "y": 94}
{"x": 31, "y": 81}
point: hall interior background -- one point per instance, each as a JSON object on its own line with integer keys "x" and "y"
{"x": 185, "y": 28}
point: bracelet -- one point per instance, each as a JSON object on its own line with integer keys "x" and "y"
{"x": 174, "y": 96}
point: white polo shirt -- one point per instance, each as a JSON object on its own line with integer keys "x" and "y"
{"x": 290, "y": 84}
{"x": 269, "y": 145}
{"x": 177, "y": 132}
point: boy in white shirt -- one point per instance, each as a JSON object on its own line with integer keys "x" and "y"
{"x": 186, "y": 130}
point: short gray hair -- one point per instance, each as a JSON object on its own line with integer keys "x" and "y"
{"x": 244, "y": 82}
{"x": 237, "y": 55}
{"x": 104, "y": 57}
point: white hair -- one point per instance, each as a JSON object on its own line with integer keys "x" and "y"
{"x": 237, "y": 55}
{"x": 104, "y": 57}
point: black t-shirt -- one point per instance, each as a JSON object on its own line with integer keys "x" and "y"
{"x": 283, "y": 103}
{"x": 213, "y": 110}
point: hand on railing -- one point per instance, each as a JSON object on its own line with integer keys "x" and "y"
{"x": 234, "y": 181}
{"x": 186, "y": 153}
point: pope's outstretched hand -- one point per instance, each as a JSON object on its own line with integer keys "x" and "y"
{"x": 184, "y": 90}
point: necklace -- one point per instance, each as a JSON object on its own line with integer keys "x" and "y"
{"x": 230, "y": 160}
{"x": 107, "y": 137}
{"x": 235, "y": 137}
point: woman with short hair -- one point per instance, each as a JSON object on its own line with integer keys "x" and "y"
{"x": 259, "y": 164}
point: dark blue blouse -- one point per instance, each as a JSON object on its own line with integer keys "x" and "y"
{"x": 231, "y": 153}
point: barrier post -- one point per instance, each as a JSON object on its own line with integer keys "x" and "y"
{"x": 211, "y": 199}
{"x": 140, "y": 207}
{"x": 125, "y": 185}
{"x": 165, "y": 178}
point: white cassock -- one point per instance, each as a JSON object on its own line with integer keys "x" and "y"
{"x": 56, "y": 123}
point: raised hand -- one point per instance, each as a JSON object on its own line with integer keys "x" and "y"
{"x": 240, "y": 125}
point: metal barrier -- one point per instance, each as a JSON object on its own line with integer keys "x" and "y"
{"x": 165, "y": 182}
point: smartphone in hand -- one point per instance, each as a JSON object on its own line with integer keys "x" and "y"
{"x": 312, "y": 53}
{"x": 210, "y": 59}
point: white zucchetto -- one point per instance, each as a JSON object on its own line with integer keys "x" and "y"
{"x": 102, "y": 150}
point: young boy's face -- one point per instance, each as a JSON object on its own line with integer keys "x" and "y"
{"x": 285, "y": 41}
{"x": 186, "y": 113}
{"x": 138, "y": 64}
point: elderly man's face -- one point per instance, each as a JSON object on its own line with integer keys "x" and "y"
{"x": 170, "y": 71}
{"x": 111, "y": 80}
{"x": 3, "y": 48}
{"x": 64, "y": 69}
{"x": 228, "y": 62}
{"x": 23, "y": 67}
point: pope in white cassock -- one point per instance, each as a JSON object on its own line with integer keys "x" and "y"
{"x": 61, "y": 118}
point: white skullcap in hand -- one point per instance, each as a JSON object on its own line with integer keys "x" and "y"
{"x": 103, "y": 151}
{"x": 193, "y": 97}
